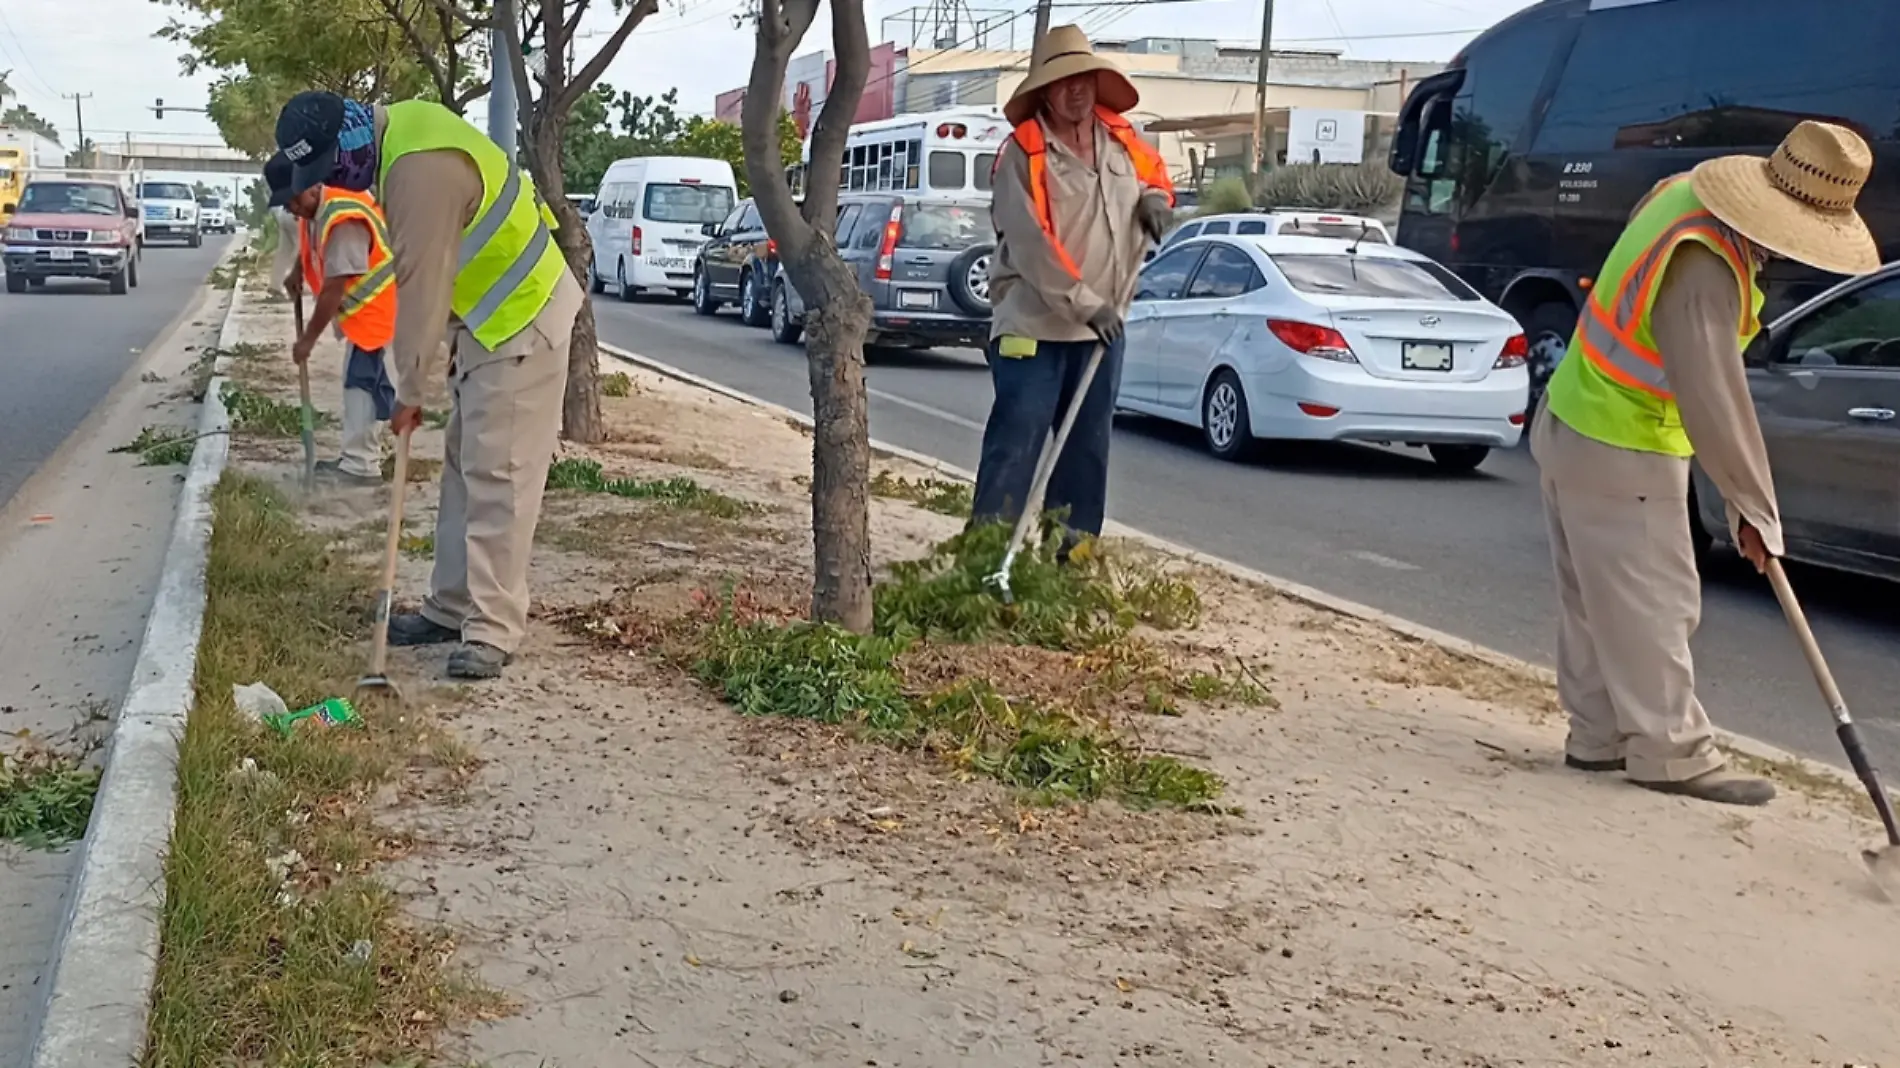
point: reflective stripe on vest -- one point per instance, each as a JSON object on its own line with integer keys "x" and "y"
{"x": 507, "y": 263}
{"x": 1607, "y": 336}
{"x": 1150, "y": 171}
{"x": 367, "y": 314}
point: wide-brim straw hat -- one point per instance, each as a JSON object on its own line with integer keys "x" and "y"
{"x": 1065, "y": 52}
{"x": 1799, "y": 202}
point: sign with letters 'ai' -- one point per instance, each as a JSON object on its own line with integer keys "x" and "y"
{"x": 1325, "y": 135}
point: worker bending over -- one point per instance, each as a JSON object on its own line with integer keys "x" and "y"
{"x": 1078, "y": 196}
{"x": 475, "y": 257}
{"x": 1654, "y": 375}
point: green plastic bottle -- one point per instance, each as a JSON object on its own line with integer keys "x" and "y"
{"x": 334, "y": 712}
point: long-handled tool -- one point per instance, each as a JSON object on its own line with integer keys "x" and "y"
{"x": 377, "y": 678}
{"x": 309, "y": 414}
{"x": 1884, "y": 863}
{"x": 1039, "y": 485}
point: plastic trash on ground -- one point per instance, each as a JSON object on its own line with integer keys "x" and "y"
{"x": 261, "y": 701}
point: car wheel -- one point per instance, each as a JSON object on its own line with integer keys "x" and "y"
{"x": 1547, "y": 328}
{"x": 16, "y": 283}
{"x": 703, "y": 302}
{"x": 970, "y": 280}
{"x": 1225, "y": 423}
{"x": 751, "y": 311}
{"x": 626, "y": 289}
{"x": 196, "y": 239}
{"x": 595, "y": 283}
{"x": 118, "y": 283}
{"x": 784, "y": 330}
{"x": 1459, "y": 458}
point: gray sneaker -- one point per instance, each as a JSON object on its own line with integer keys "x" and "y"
{"x": 333, "y": 470}
{"x": 1721, "y": 786}
{"x": 477, "y": 660}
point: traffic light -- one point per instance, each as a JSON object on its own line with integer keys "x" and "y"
{"x": 158, "y": 107}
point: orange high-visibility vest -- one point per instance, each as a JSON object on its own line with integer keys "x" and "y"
{"x": 1149, "y": 170}
{"x": 367, "y": 316}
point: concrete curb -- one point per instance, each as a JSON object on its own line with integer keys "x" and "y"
{"x": 1451, "y": 643}
{"x": 98, "y": 1000}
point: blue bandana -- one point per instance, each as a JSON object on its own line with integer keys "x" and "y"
{"x": 355, "y": 149}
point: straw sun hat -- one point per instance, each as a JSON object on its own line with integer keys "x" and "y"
{"x": 1065, "y": 52}
{"x": 1799, "y": 202}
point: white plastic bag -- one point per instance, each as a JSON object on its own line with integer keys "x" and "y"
{"x": 258, "y": 701}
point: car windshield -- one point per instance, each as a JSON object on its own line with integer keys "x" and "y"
{"x": 166, "y": 191}
{"x": 944, "y": 226}
{"x": 1344, "y": 274}
{"x": 1351, "y": 231}
{"x": 209, "y": 202}
{"x": 69, "y": 198}
{"x": 695, "y": 204}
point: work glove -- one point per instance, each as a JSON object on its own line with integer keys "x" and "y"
{"x": 1153, "y": 214}
{"x": 1107, "y": 325}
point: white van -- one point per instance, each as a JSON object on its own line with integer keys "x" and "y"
{"x": 646, "y": 226}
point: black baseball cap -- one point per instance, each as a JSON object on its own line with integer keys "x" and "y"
{"x": 277, "y": 179}
{"x": 307, "y": 130}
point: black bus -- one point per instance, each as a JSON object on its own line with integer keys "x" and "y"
{"x": 1524, "y": 158}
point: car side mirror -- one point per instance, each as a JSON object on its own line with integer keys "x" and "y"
{"x": 131, "y": 211}
{"x": 1756, "y": 354}
{"x": 709, "y": 229}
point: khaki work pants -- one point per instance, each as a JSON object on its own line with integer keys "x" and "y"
{"x": 501, "y": 437}
{"x": 1630, "y": 598}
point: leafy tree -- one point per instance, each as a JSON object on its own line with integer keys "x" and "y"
{"x": 84, "y": 155}
{"x": 653, "y": 126}
{"x": 21, "y": 117}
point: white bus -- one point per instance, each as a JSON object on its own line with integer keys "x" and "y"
{"x": 648, "y": 217}
{"x": 947, "y": 153}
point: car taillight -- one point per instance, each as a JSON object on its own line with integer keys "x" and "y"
{"x": 771, "y": 248}
{"x": 635, "y": 238}
{"x": 887, "y": 251}
{"x": 1516, "y": 353}
{"x": 1308, "y": 339}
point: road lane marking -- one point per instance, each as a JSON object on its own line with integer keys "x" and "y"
{"x": 919, "y": 406}
{"x": 1380, "y": 560}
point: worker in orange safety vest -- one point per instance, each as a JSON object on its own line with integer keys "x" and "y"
{"x": 1078, "y": 197}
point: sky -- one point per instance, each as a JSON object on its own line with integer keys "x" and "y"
{"x": 55, "y": 48}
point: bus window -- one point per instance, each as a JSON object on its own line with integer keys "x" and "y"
{"x": 985, "y": 169}
{"x": 947, "y": 169}
{"x": 1432, "y": 189}
{"x": 1504, "y": 72}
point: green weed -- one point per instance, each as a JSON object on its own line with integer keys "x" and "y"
{"x": 616, "y": 384}
{"x": 256, "y": 413}
{"x": 45, "y": 798}
{"x": 159, "y": 446}
{"x": 933, "y": 494}
{"x": 680, "y": 492}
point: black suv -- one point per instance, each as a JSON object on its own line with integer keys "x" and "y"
{"x": 924, "y": 261}
{"x": 735, "y": 265}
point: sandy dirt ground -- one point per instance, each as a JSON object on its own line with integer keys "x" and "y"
{"x": 1410, "y": 877}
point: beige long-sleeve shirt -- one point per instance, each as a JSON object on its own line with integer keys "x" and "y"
{"x": 1693, "y": 323}
{"x": 1093, "y": 209}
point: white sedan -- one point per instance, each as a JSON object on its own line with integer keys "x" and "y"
{"x": 1323, "y": 339}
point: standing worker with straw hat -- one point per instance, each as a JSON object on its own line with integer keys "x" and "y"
{"x": 475, "y": 258}
{"x": 1653, "y": 376}
{"x": 1077, "y": 198}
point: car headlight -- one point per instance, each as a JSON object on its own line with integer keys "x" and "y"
{"x": 19, "y": 233}
{"x": 105, "y": 237}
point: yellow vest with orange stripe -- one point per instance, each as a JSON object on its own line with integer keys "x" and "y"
{"x": 367, "y": 316}
{"x": 1149, "y": 170}
{"x": 1610, "y": 385}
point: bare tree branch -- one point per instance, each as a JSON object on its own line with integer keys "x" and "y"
{"x": 443, "y": 77}
{"x": 584, "y": 79}
{"x": 524, "y": 98}
{"x": 852, "y": 43}
{"x": 450, "y": 10}
{"x": 781, "y": 27}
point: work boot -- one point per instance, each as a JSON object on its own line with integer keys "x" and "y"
{"x": 477, "y": 660}
{"x": 414, "y": 628}
{"x": 1722, "y": 786}
{"x": 1579, "y": 764}
{"x": 333, "y": 470}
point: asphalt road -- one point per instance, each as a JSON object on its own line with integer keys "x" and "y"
{"x": 63, "y": 346}
{"x": 1466, "y": 554}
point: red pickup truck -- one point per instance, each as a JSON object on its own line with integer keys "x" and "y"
{"x": 72, "y": 228}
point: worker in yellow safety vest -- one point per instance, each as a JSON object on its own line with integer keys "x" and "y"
{"x": 475, "y": 257}
{"x": 1077, "y": 199}
{"x": 1654, "y": 375}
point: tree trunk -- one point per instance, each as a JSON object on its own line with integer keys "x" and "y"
{"x": 841, "y": 440}
{"x": 581, "y": 418}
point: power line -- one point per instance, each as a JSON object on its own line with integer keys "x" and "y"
{"x": 26, "y": 57}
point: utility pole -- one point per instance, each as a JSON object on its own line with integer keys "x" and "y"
{"x": 1260, "y": 94}
{"x": 79, "y": 113}
{"x": 502, "y": 118}
{"x": 1042, "y": 24}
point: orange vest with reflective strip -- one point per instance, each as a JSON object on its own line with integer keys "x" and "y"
{"x": 1611, "y": 386}
{"x": 367, "y": 316}
{"x": 1149, "y": 170}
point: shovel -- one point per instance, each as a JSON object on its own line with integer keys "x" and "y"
{"x": 377, "y": 678}
{"x": 1039, "y": 485}
{"x": 309, "y": 427}
{"x": 1884, "y": 863}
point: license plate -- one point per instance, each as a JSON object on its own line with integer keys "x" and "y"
{"x": 60, "y": 254}
{"x": 914, "y": 299}
{"x": 670, "y": 263}
{"x": 1425, "y": 356}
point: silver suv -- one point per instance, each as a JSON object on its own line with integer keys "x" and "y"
{"x": 924, "y": 261}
